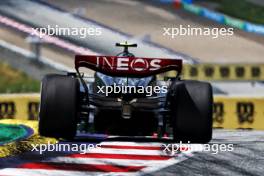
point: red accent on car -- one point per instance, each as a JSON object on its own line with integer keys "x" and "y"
{"x": 127, "y": 66}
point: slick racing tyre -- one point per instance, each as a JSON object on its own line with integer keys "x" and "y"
{"x": 58, "y": 106}
{"x": 191, "y": 105}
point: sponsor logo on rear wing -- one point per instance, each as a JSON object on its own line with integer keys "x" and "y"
{"x": 127, "y": 66}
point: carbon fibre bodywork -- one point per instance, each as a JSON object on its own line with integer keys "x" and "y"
{"x": 125, "y": 110}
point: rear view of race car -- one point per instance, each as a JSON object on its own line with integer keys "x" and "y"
{"x": 126, "y": 97}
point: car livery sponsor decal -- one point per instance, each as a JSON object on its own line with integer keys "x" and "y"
{"x": 127, "y": 66}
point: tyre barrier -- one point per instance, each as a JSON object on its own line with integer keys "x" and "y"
{"x": 229, "y": 112}
{"x": 238, "y": 112}
{"x": 19, "y": 106}
{"x": 221, "y": 72}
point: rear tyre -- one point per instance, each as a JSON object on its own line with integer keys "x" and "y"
{"x": 191, "y": 105}
{"x": 58, "y": 106}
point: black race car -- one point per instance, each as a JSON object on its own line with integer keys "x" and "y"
{"x": 126, "y": 97}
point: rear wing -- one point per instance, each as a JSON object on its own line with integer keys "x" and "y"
{"x": 127, "y": 66}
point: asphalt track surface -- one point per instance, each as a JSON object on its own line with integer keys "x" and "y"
{"x": 25, "y": 10}
{"x": 130, "y": 156}
{"x": 146, "y": 19}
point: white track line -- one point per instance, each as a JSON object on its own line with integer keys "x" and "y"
{"x": 46, "y": 38}
{"x": 156, "y": 144}
{"x": 160, "y": 12}
{"x": 118, "y": 162}
{"x": 124, "y": 2}
{"x": 126, "y": 151}
{"x": 44, "y": 172}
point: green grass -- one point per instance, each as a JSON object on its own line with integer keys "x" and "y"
{"x": 241, "y": 9}
{"x": 13, "y": 81}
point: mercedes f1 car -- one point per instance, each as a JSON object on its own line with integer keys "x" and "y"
{"x": 174, "y": 107}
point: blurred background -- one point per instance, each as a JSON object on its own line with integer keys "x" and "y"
{"x": 26, "y": 58}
